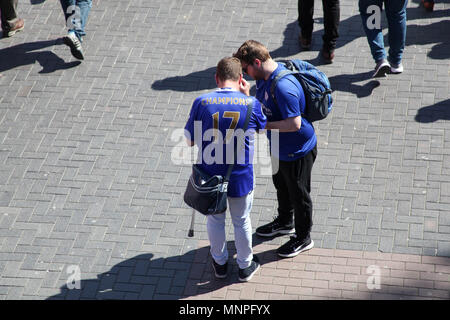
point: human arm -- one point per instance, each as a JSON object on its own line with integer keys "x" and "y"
{"x": 290, "y": 100}
{"x": 291, "y": 124}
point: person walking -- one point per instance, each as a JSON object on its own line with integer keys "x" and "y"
{"x": 76, "y": 13}
{"x": 370, "y": 11}
{"x": 224, "y": 111}
{"x": 297, "y": 148}
{"x": 11, "y": 23}
{"x": 331, "y": 16}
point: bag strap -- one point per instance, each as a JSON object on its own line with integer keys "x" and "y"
{"x": 277, "y": 78}
{"x": 247, "y": 121}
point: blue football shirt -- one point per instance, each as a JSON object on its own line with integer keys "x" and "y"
{"x": 215, "y": 124}
{"x": 291, "y": 103}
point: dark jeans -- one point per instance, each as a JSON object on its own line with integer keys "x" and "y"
{"x": 293, "y": 185}
{"x": 8, "y": 15}
{"x": 331, "y": 15}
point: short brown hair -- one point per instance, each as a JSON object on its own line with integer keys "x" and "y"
{"x": 229, "y": 68}
{"x": 251, "y": 50}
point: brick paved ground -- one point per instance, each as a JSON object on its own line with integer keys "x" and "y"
{"x": 86, "y": 177}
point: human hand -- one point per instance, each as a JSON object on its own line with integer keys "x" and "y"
{"x": 244, "y": 87}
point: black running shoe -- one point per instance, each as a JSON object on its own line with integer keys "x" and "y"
{"x": 247, "y": 273}
{"x": 220, "y": 271}
{"x": 275, "y": 227}
{"x": 294, "y": 246}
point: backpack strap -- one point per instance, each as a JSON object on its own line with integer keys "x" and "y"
{"x": 275, "y": 80}
{"x": 247, "y": 121}
{"x": 290, "y": 69}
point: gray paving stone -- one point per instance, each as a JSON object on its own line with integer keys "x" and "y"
{"x": 85, "y": 169}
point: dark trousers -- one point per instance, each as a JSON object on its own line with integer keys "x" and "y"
{"x": 293, "y": 185}
{"x": 8, "y": 13}
{"x": 331, "y": 15}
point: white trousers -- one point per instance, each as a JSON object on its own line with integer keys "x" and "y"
{"x": 240, "y": 215}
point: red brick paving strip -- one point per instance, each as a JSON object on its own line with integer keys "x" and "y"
{"x": 324, "y": 274}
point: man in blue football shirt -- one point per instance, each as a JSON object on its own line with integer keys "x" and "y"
{"x": 297, "y": 147}
{"x": 214, "y": 121}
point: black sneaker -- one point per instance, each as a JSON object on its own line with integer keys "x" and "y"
{"x": 275, "y": 227}
{"x": 305, "y": 42}
{"x": 294, "y": 246}
{"x": 247, "y": 273}
{"x": 72, "y": 41}
{"x": 220, "y": 271}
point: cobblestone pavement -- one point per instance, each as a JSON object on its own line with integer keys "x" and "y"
{"x": 89, "y": 188}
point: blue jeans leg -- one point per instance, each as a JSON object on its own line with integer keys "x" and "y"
{"x": 371, "y": 21}
{"x": 396, "y": 17}
{"x": 76, "y": 13}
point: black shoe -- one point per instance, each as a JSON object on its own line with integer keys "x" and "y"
{"x": 305, "y": 42}
{"x": 220, "y": 271}
{"x": 275, "y": 227}
{"x": 74, "y": 44}
{"x": 327, "y": 54}
{"x": 247, "y": 273}
{"x": 294, "y": 246}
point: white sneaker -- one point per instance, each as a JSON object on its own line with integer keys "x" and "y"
{"x": 381, "y": 69}
{"x": 396, "y": 69}
{"x": 72, "y": 41}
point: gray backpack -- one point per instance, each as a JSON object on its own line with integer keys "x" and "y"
{"x": 315, "y": 84}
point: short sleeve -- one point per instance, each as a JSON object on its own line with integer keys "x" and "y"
{"x": 290, "y": 97}
{"x": 189, "y": 127}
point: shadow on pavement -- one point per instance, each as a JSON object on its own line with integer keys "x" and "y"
{"x": 137, "y": 278}
{"x": 346, "y": 83}
{"x": 350, "y": 29}
{"x": 204, "y": 79}
{"x": 184, "y": 276}
{"x": 428, "y": 34}
{"x": 25, "y": 54}
{"x": 433, "y": 113}
{"x": 172, "y": 278}
{"x": 196, "y": 81}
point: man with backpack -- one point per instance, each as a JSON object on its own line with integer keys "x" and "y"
{"x": 297, "y": 146}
